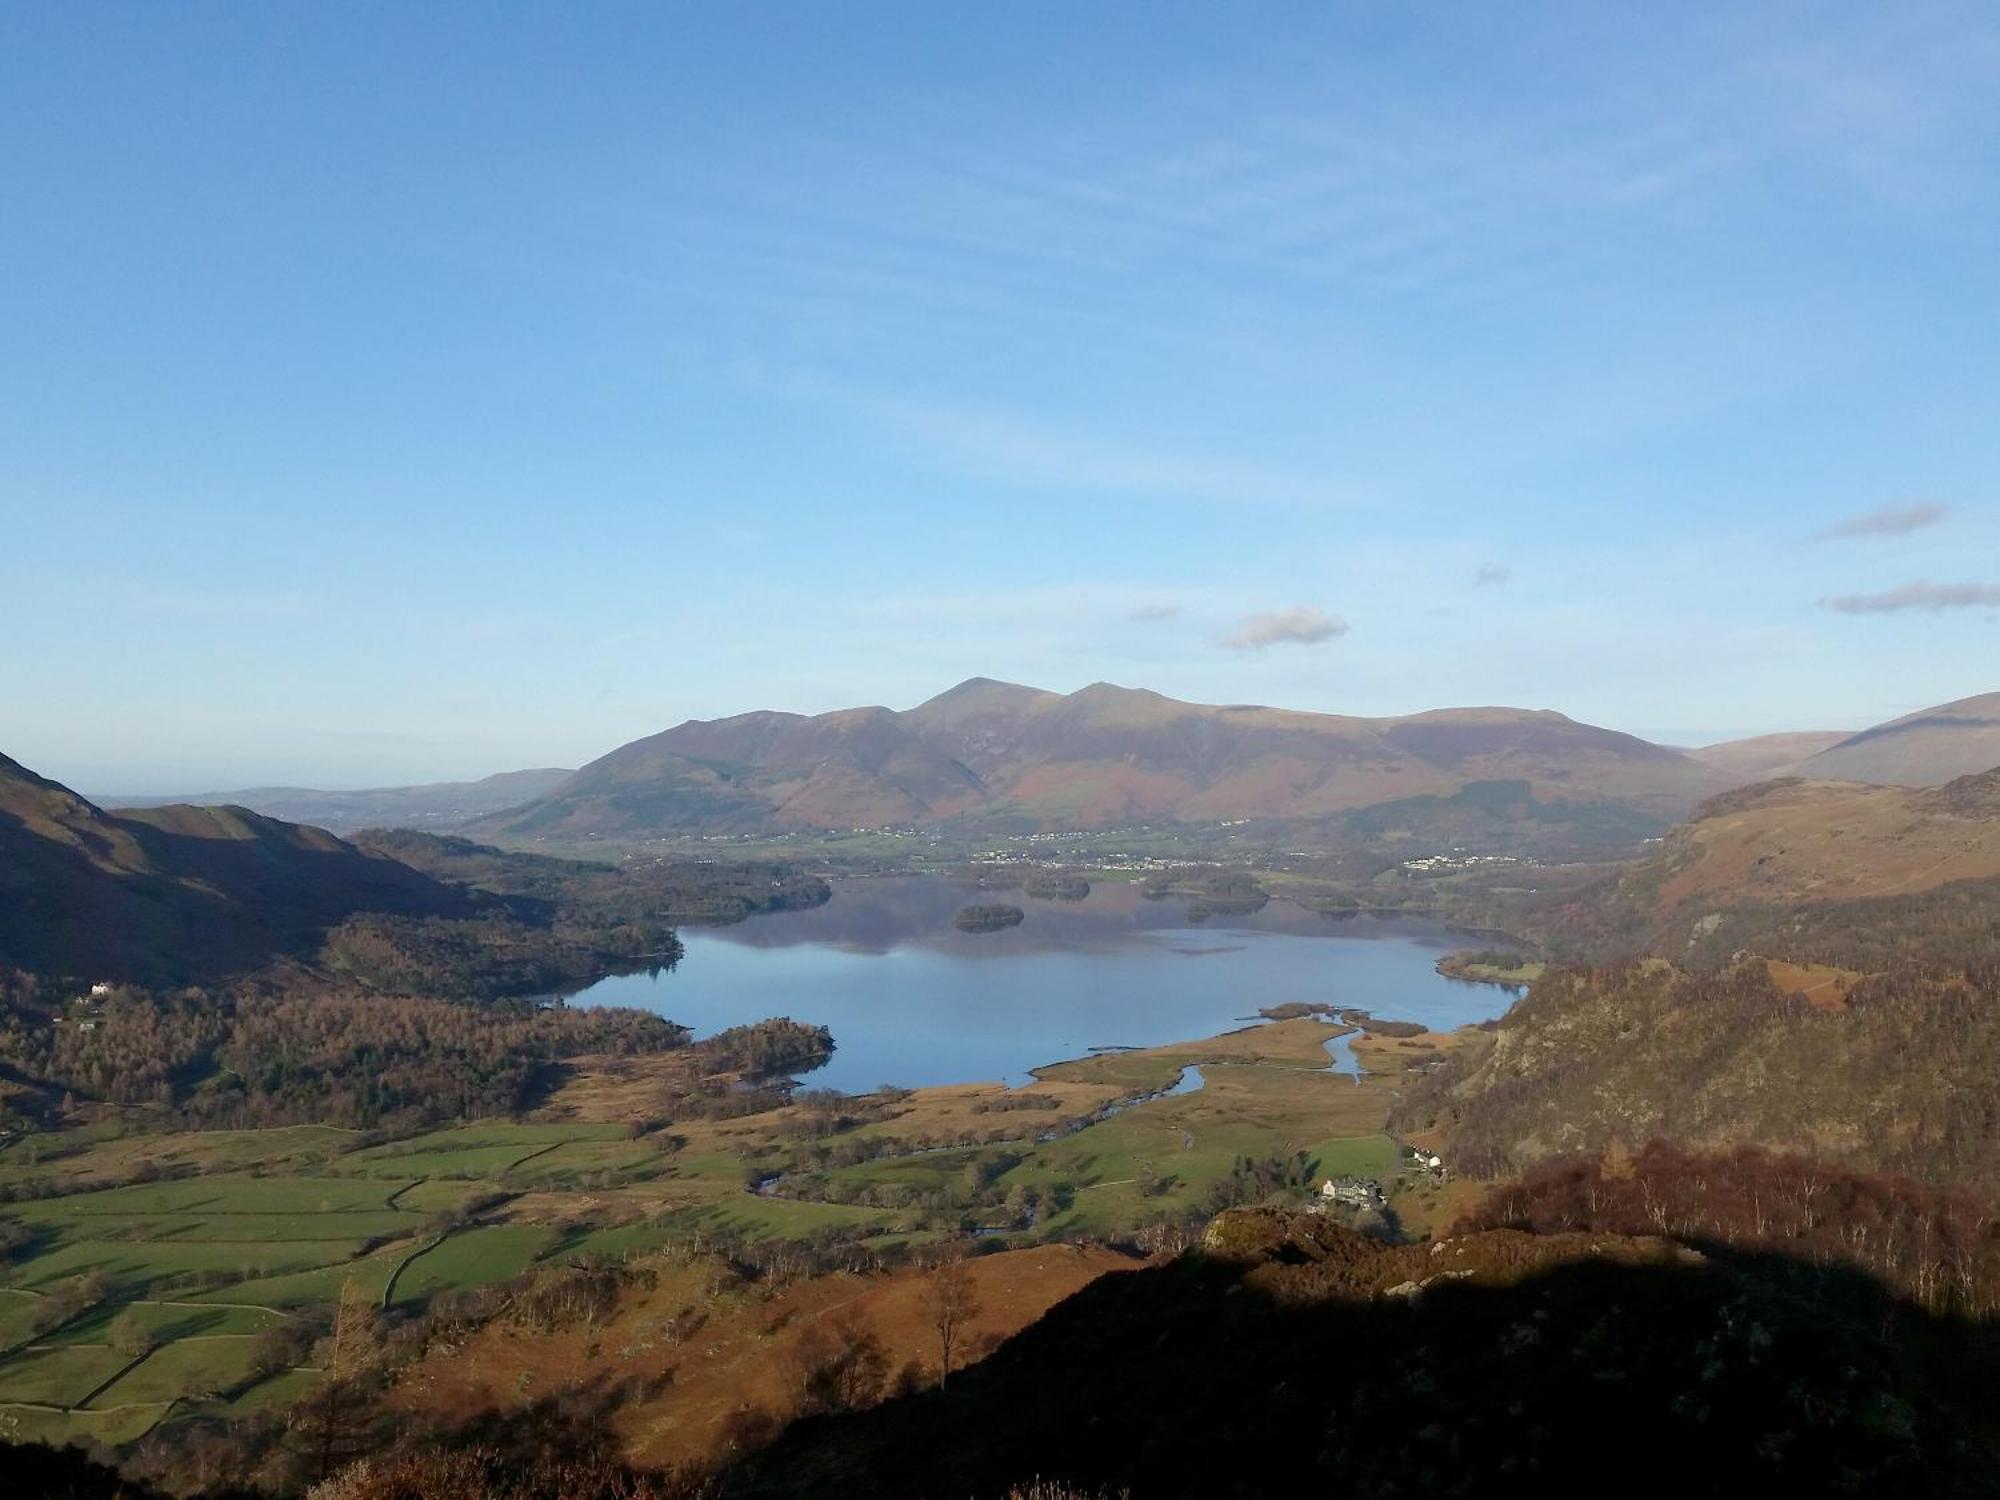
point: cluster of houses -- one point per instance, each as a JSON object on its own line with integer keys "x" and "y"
{"x": 1350, "y": 1192}
{"x": 1430, "y": 864}
{"x": 1366, "y": 1192}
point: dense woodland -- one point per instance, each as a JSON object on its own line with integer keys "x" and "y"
{"x": 1952, "y": 924}
{"x": 489, "y": 957}
{"x": 1900, "y": 1079}
{"x": 632, "y": 891}
{"x": 550, "y": 924}
{"x": 1938, "y": 1246}
{"x": 342, "y": 1058}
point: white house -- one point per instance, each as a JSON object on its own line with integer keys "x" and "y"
{"x": 1354, "y": 1192}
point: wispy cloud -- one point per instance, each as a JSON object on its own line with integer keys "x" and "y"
{"x": 1491, "y": 576}
{"x": 1301, "y": 625}
{"x": 1157, "y": 611}
{"x": 1920, "y": 595}
{"x": 1888, "y": 520}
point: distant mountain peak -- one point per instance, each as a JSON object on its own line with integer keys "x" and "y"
{"x": 979, "y": 697}
{"x": 985, "y": 687}
{"x": 981, "y": 685}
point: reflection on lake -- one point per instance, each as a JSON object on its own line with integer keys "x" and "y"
{"x": 914, "y": 1001}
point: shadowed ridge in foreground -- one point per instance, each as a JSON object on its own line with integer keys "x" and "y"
{"x": 1294, "y": 1356}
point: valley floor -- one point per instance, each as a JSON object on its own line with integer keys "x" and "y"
{"x": 214, "y": 1244}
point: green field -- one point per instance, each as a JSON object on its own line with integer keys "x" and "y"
{"x": 578, "y": 1162}
{"x": 319, "y": 1287}
{"x": 137, "y": 1267}
{"x": 36, "y": 1424}
{"x": 778, "y": 1218}
{"x": 16, "y": 1311}
{"x": 204, "y": 1263}
{"x": 165, "y": 1236}
{"x": 472, "y": 1151}
{"x": 227, "y": 1228}
{"x": 471, "y": 1258}
{"x": 276, "y": 1392}
{"x": 58, "y": 1377}
{"x": 1354, "y": 1156}
{"x": 427, "y": 1197}
{"x": 225, "y": 1193}
{"x": 167, "y": 1321}
{"x": 189, "y": 1368}
{"x": 65, "y": 1158}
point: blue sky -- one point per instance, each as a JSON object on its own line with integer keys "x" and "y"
{"x": 406, "y": 392}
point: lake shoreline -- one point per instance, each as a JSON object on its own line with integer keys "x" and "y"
{"x": 913, "y": 1001}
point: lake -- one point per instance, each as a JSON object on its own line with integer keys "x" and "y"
{"x": 913, "y": 1001}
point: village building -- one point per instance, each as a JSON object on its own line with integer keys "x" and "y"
{"x": 1351, "y": 1192}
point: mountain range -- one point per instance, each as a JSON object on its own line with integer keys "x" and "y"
{"x": 989, "y": 758}
{"x": 1001, "y": 758}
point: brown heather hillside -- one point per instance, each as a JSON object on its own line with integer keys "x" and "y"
{"x": 706, "y": 1356}
{"x": 1768, "y": 858}
{"x": 1927, "y": 748}
{"x": 177, "y": 894}
{"x": 1007, "y": 758}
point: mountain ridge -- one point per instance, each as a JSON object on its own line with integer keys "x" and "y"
{"x": 179, "y": 894}
{"x": 1925, "y": 748}
{"x": 1011, "y": 758}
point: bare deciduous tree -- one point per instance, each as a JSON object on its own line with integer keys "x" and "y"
{"x": 951, "y": 1301}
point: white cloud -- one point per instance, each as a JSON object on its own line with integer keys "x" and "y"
{"x": 1302, "y": 625}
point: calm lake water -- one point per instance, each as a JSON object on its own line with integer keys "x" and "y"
{"x": 913, "y": 1001}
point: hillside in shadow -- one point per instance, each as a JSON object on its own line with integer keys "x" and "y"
{"x": 1292, "y": 1356}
